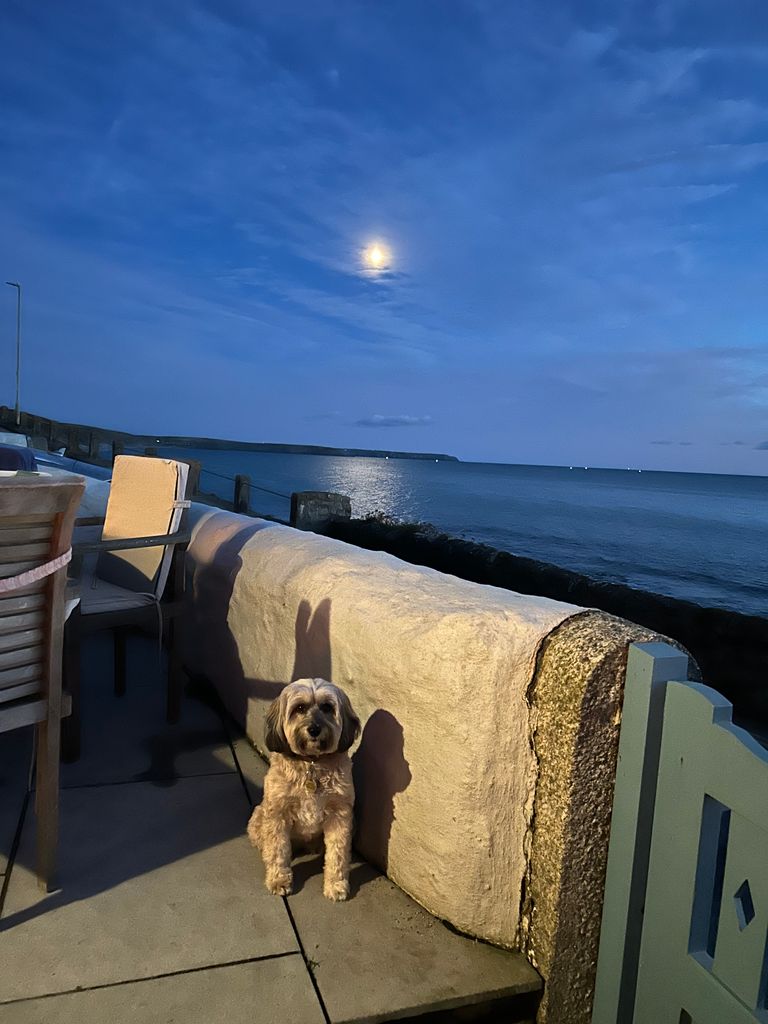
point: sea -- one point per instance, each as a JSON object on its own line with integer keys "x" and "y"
{"x": 701, "y": 537}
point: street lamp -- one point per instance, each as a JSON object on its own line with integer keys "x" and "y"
{"x": 17, "y": 286}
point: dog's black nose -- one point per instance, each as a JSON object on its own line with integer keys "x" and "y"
{"x": 313, "y": 730}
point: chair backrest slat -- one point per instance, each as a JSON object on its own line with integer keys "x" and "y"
{"x": 14, "y": 516}
{"x": 24, "y": 534}
{"x": 31, "y": 655}
{"x": 24, "y": 551}
{"x": 14, "y": 693}
{"x": 29, "y": 599}
{"x": 19, "y": 674}
{"x": 24, "y": 620}
{"x": 20, "y": 639}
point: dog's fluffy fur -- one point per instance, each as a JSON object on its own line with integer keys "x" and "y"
{"x": 308, "y": 789}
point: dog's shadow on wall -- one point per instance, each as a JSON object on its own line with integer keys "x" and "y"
{"x": 380, "y": 771}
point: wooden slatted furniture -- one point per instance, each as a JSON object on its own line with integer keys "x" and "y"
{"x": 37, "y": 515}
{"x": 137, "y": 578}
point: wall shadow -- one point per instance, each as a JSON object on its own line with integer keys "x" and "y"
{"x": 380, "y": 771}
{"x": 211, "y": 649}
{"x": 313, "y": 641}
{"x": 210, "y": 643}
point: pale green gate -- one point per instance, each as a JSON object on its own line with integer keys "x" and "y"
{"x": 685, "y": 923}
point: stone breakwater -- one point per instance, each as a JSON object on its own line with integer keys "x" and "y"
{"x": 730, "y": 648}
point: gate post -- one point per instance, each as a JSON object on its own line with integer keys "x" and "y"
{"x": 649, "y": 668}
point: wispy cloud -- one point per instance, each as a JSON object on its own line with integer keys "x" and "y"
{"x": 335, "y": 415}
{"x": 394, "y": 421}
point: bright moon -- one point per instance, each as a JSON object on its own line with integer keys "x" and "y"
{"x": 376, "y": 256}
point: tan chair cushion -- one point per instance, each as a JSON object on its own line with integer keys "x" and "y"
{"x": 144, "y": 500}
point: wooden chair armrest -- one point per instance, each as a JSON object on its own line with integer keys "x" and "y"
{"x": 183, "y": 537}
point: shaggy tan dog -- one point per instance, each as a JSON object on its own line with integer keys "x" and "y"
{"x": 308, "y": 789}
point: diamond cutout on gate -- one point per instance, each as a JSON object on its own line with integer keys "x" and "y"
{"x": 745, "y": 907}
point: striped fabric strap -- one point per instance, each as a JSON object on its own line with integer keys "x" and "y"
{"x": 25, "y": 579}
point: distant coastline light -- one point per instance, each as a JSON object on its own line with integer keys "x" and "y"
{"x": 376, "y": 256}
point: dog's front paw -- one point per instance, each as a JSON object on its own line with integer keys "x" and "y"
{"x": 336, "y": 890}
{"x": 280, "y": 882}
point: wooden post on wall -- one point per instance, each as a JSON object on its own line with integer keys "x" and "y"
{"x": 242, "y": 499}
{"x": 193, "y": 480}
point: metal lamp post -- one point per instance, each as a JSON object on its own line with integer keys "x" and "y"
{"x": 17, "y": 286}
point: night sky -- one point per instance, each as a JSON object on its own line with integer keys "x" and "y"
{"x": 569, "y": 203}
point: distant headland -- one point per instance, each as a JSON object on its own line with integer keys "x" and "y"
{"x": 217, "y": 444}
{"x": 76, "y": 436}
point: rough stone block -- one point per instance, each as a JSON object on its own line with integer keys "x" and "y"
{"x": 576, "y": 703}
{"x": 310, "y": 509}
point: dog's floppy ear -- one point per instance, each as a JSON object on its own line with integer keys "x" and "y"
{"x": 350, "y": 723}
{"x": 274, "y": 735}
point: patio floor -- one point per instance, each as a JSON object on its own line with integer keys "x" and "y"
{"x": 162, "y": 914}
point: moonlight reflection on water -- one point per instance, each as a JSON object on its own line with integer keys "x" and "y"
{"x": 374, "y": 485}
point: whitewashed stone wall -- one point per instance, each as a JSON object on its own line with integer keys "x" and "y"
{"x": 438, "y": 670}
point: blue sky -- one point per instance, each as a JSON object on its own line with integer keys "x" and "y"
{"x": 575, "y": 197}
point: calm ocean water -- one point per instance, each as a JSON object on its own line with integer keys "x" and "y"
{"x": 689, "y": 535}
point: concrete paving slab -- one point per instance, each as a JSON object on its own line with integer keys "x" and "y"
{"x": 15, "y": 758}
{"x": 127, "y": 738}
{"x": 154, "y": 879}
{"x": 264, "y": 992}
{"x": 380, "y": 956}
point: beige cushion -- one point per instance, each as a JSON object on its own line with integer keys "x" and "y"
{"x": 144, "y": 500}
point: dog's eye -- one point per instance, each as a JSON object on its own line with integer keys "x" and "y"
{"x": 327, "y": 708}
{"x": 299, "y": 709}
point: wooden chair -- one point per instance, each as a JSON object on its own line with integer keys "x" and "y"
{"x": 132, "y": 575}
{"x": 37, "y": 516}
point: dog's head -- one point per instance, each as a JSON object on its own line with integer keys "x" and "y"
{"x": 311, "y": 717}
